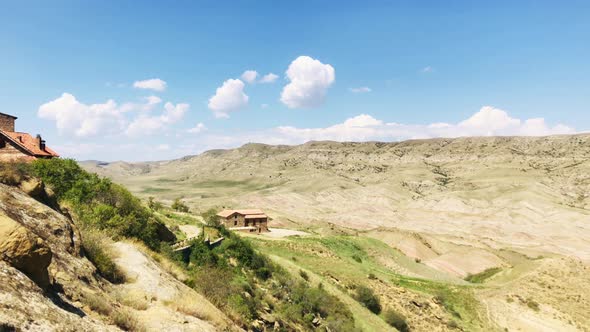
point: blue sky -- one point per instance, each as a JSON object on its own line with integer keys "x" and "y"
{"x": 370, "y": 70}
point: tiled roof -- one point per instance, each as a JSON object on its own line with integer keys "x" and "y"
{"x": 29, "y": 143}
{"x": 244, "y": 212}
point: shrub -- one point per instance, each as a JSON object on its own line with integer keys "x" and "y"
{"x": 396, "y": 320}
{"x": 97, "y": 202}
{"x": 304, "y": 275}
{"x": 368, "y": 299}
{"x": 357, "y": 258}
{"x": 179, "y": 206}
{"x": 211, "y": 218}
{"x": 532, "y": 304}
{"x": 153, "y": 204}
{"x": 96, "y": 247}
{"x": 13, "y": 173}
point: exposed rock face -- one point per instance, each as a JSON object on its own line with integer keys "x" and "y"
{"x": 40, "y": 246}
{"x": 164, "y": 234}
{"x": 24, "y": 250}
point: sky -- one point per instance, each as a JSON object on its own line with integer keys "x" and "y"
{"x": 135, "y": 81}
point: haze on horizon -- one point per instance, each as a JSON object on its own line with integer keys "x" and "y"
{"x": 116, "y": 81}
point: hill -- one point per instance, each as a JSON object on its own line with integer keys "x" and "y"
{"x": 529, "y": 193}
{"x": 493, "y": 231}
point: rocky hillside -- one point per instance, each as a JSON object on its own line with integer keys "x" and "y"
{"x": 530, "y": 193}
{"x": 47, "y": 282}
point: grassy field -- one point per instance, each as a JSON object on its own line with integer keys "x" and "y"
{"x": 343, "y": 262}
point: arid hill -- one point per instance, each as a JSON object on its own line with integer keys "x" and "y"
{"x": 525, "y": 193}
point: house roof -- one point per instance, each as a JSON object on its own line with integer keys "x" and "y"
{"x": 244, "y": 212}
{"x": 28, "y": 143}
{"x": 256, "y": 216}
{"x": 12, "y": 116}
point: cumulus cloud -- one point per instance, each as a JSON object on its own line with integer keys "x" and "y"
{"x": 309, "y": 82}
{"x": 200, "y": 127}
{"x": 81, "y": 120}
{"x": 155, "y": 84}
{"x": 269, "y": 78}
{"x": 148, "y": 125}
{"x": 149, "y": 103}
{"x": 250, "y": 76}
{"x": 361, "y": 89}
{"x": 228, "y": 97}
{"x": 488, "y": 121}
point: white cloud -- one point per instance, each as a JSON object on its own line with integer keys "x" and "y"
{"x": 269, "y": 78}
{"x": 155, "y": 84}
{"x": 228, "y": 97}
{"x": 148, "y": 105}
{"x": 310, "y": 80}
{"x": 427, "y": 69}
{"x": 250, "y": 76}
{"x": 488, "y": 121}
{"x": 145, "y": 125}
{"x": 200, "y": 127}
{"x": 361, "y": 89}
{"x": 81, "y": 120}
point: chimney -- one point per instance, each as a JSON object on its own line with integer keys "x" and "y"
{"x": 40, "y": 142}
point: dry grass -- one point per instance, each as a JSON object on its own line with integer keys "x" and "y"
{"x": 133, "y": 298}
{"x": 97, "y": 246}
{"x": 127, "y": 321}
{"x": 98, "y": 304}
{"x": 198, "y": 308}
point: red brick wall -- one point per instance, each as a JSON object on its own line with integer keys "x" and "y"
{"x": 6, "y": 123}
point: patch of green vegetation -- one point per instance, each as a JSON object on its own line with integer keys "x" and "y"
{"x": 95, "y": 246}
{"x": 179, "y": 205}
{"x": 154, "y": 190}
{"x": 459, "y": 301}
{"x": 241, "y": 281}
{"x": 332, "y": 256}
{"x": 482, "y": 276}
{"x": 97, "y": 202}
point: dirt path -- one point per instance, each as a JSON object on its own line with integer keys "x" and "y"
{"x": 363, "y": 318}
{"x": 191, "y": 231}
{"x": 156, "y": 291}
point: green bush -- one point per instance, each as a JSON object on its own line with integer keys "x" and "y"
{"x": 396, "y": 320}
{"x": 211, "y": 218}
{"x": 368, "y": 299}
{"x": 304, "y": 275}
{"x": 95, "y": 246}
{"x": 97, "y": 202}
{"x": 179, "y": 205}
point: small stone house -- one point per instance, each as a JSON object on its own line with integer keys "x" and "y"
{"x": 252, "y": 220}
{"x": 16, "y": 146}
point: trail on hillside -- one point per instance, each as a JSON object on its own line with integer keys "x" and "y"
{"x": 161, "y": 290}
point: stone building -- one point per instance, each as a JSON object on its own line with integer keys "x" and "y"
{"x": 252, "y": 220}
{"x": 19, "y": 146}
